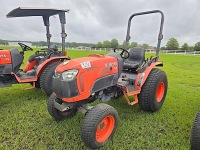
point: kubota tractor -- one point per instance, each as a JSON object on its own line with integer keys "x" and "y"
{"x": 81, "y": 81}
{"x": 41, "y": 65}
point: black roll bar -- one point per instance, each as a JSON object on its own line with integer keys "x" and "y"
{"x": 160, "y": 35}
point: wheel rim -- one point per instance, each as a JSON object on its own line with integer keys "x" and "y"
{"x": 105, "y": 128}
{"x": 160, "y": 92}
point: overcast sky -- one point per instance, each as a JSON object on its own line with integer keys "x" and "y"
{"x": 91, "y": 21}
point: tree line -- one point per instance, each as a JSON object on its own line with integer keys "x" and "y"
{"x": 172, "y": 44}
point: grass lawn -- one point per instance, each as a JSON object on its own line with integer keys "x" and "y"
{"x": 26, "y": 124}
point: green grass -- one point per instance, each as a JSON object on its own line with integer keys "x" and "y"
{"x": 26, "y": 124}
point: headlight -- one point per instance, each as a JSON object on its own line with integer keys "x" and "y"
{"x": 69, "y": 75}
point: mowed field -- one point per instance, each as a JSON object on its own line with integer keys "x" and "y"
{"x": 26, "y": 124}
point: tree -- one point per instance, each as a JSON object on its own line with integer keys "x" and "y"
{"x": 106, "y": 44}
{"x": 99, "y": 45}
{"x": 74, "y": 44}
{"x": 3, "y": 42}
{"x": 162, "y": 48}
{"x": 197, "y": 46}
{"x": 185, "y": 46}
{"x": 114, "y": 43}
{"x": 133, "y": 44}
{"x": 172, "y": 44}
{"x": 123, "y": 45}
{"x": 145, "y": 45}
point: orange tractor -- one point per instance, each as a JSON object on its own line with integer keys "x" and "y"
{"x": 41, "y": 65}
{"x": 78, "y": 82}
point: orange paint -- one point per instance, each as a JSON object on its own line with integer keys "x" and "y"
{"x": 5, "y": 57}
{"x": 30, "y": 65}
{"x": 105, "y": 128}
{"x": 90, "y": 69}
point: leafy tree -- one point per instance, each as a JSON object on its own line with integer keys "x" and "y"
{"x": 145, "y": 45}
{"x": 191, "y": 48}
{"x": 123, "y": 45}
{"x": 114, "y": 43}
{"x": 3, "y": 42}
{"x": 185, "y": 46}
{"x": 99, "y": 45}
{"x": 133, "y": 44}
{"x": 172, "y": 44}
{"x": 197, "y": 46}
{"x": 74, "y": 44}
{"x": 106, "y": 44}
{"x": 162, "y": 48}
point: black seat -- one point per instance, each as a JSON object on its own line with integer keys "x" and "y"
{"x": 35, "y": 57}
{"x": 53, "y": 48}
{"x": 136, "y": 57}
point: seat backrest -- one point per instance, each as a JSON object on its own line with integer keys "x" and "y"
{"x": 52, "y": 48}
{"x": 136, "y": 55}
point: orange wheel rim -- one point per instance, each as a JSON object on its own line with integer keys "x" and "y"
{"x": 160, "y": 92}
{"x": 105, "y": 128}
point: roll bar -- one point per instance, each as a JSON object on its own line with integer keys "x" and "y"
{"x": 160, "y": 35}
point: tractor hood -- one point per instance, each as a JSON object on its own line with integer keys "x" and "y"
{"x": 77, "y": 79}
{"x": 93, "y": 62}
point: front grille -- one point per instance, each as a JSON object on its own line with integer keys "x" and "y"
{"x": 64, "y": 89}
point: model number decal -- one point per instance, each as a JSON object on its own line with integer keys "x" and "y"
{"x": 112, "y": 64}
{"x": 85, "y": 65}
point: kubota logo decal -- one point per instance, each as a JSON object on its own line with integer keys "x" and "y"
{"x": 85, "y": 65}
{"x": 3, "y": 56}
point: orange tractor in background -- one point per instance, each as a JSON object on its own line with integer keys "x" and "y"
{"x": 41, "y": 65}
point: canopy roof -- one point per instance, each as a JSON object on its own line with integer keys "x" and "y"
{"x": 28, "y": 11}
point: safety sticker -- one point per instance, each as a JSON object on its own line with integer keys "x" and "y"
{"x": 85, "y": 65}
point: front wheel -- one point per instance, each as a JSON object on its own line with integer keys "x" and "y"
{"x": 99, "y": 125}
{"x": 154, "y": 90}
{"x": 55, "y": 113}
{"x": 195, "y": 135}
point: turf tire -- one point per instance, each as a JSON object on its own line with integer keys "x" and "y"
{"x": 94, "y": 117}
{"x": 195, "y": 134}
{"x": 148, "y": 99}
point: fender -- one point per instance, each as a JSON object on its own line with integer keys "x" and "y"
{"x": 30, "y": 65}
{"x": 141, "y": 77}
{"x": 48, "y": 61}
{"x": 40, "y": 69}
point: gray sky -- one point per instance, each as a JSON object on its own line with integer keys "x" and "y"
{"x": 90, "y": 21}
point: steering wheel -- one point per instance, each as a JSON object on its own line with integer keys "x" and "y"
{"x": 124, "y": 54}
{"x": 25, "y": 47}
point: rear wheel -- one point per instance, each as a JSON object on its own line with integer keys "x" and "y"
{"x": 154, "y": 90}
{"x": 195, "y": 135}
{"x": 55, "y": 113}
{"x": 46, "y": 78}
{"x": 99, "y": 125}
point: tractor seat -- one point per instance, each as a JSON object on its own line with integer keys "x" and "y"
{"x": 136, "y": 57}
{"x": 35, "y": 57}
{"x": 53, "y": 48}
